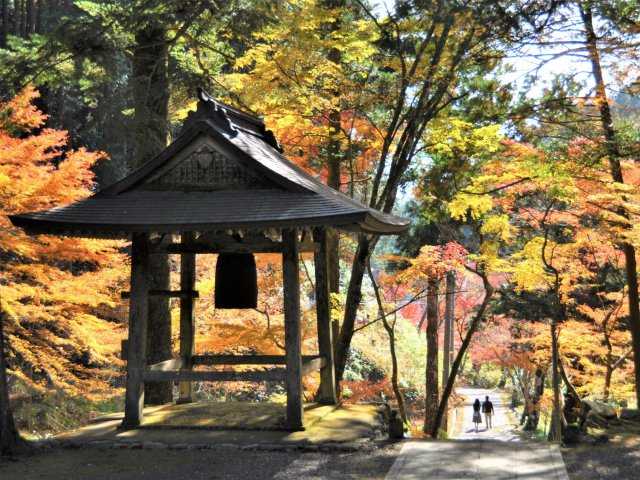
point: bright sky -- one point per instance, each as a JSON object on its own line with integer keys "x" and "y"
{"x": 537, "y": 60}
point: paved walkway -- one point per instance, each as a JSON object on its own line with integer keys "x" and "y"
{"x": 495, "y": 454}
{"x": 503, "y": 421}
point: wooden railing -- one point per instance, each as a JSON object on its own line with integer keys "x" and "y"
{"x": 172, "y": 370}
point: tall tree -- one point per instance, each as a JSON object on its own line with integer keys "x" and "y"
{"x": 150, "y": 85}
{"x": 614, "y": 155}
{"x": 334, "y": 151}
{"x": 451, "y": 43}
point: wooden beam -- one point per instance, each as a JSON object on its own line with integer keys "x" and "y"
{"x": 314, "y": 365}
{"x": 198, "y": 247}
{"x": 187, "y": 320}
{"x": 171, "y": 364}
{"x": 137, "y": 344}
{"x": 247, "y": 359}
{"x": 210, "y": 243}
{"x": 167, "y": 293}
{"x": 327, "y": 390}
{"x": 292, "y": 333}
{"x": 272, "y": 375}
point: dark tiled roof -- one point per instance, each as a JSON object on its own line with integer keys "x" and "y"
{"x": 297, "y": 198}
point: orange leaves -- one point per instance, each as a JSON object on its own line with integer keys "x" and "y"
{"x": 20, "y": 113}
{"x": 36, "y": 171}
{"x": 434, "y": 260}
{"x": 59, "y": 291}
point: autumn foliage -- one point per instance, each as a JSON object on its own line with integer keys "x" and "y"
{"x": 57, "y": 293}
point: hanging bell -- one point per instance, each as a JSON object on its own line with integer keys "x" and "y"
{"x": 236, "y": 281}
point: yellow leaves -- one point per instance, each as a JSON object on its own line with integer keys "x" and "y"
{"x": 337, "y": 302}
{"x": 205, "y": 286}
{"x": 497, "y": 225}
{"x": 292, "y": 71}
{"x": 464, "y": 204}
{"x": 528, "y": 272}
{"x": 489, "y": 256}
{"x": 453, "y": 136}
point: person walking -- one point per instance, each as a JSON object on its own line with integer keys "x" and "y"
{"x": 477, "y": 418}
{"x": 487, "y": 409}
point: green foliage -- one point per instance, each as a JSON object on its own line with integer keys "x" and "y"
{"x": 359, "y": 367}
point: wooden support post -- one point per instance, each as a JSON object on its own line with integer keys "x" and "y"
{"x": 137, "y": 344}
{"x": 327, "y": 391}
{"x": 187, "y": 323}
{"x": 292, "y": 334}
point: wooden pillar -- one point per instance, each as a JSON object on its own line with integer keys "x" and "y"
{"x": 327, "y": 391}
{"x": 187, "y": 321}
{"x": 292, "y": 334}
{"x": 137, "y": 344}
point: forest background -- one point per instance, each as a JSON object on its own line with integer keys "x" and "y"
{"x": 520, "y": 178}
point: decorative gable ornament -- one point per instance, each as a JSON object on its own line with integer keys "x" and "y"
{"x": 204, "y": 156}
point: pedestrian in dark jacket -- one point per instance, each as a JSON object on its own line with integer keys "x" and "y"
{"x": 487, "y": 409}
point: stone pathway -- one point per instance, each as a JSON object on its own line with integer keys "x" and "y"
{"x": 495, "y": 454}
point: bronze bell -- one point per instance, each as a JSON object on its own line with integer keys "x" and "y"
{"x": 236, "y": 281}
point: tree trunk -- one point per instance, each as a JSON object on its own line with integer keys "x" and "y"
{"x": 567, "y": 381}
{"x": 555, "y": 433}
{"x": 17, "y": 18}
{"x": 9, "y": 437}
{"x": 354, "y": 295}
{"x": 333, "y": 161}
{"x": 29, "y": 23}
{"x": 390, "y": 329}
{"x": 613, "y": 151}
{"x": 40, "y": 8}
{"x": 4, "y": 31}
{"x": 607, "y": 383}
{"x": 449, "y": 313}
{"x": 612, "y": 367}
{"x": 150, "y": 130}
{"x": 473, "y": 326}
{"x": 431, "y": 374}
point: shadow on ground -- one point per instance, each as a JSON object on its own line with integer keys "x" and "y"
{"x": 224, "y": 463}
{"x": 618, "y": 459}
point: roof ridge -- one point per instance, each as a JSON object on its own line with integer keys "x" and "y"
{"x": 204, "y": 96}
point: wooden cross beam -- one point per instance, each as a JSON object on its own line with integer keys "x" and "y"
{"x": 208, "y": 243}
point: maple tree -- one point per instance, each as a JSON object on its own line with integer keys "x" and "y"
{"x": 61, "y": 323}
